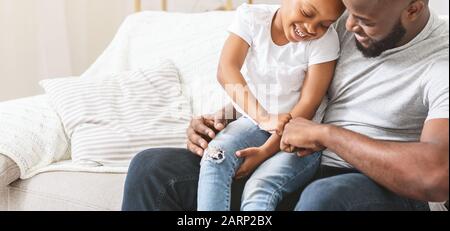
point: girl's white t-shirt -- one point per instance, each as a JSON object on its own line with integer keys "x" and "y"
{"x": 275, "y": 74}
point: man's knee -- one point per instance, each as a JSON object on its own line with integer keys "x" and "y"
{"x": 323, "y": 195}
{"x": 143, "y": 163}
{"x": 162, "y": 163}
{"x": 149, "y": 174}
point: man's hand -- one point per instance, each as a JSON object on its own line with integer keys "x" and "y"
{"x": 302, "y": 136}
{"x": 253, "y": 158}
{"x": 203, "y": 129}
{"x": 274, "y": 123}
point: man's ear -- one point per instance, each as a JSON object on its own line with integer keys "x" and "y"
{"x": 415, "y": 9}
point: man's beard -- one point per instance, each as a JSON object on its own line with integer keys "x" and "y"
{"x": 378, "y": 47}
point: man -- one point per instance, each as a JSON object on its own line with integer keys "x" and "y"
{"x": 385, "y": 133}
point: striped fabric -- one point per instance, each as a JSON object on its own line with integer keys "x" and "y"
{"x": 109, "y": 121}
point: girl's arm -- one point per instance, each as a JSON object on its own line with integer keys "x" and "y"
{"x": 229, "y": 76}
{"x": 318, "y": 79}
{"x": 315, "y": 87}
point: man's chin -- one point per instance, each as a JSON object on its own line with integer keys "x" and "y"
{"x": 364, "y": 44}
{"x": 367, "y": 49}
{"x": 363, "y": 40}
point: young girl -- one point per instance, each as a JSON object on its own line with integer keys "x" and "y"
{"x": 290, "y": 54}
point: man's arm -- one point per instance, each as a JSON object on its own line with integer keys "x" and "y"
{"x": 417, "y": 170}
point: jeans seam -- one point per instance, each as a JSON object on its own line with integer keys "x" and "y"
{"x": 228, "y": 196}
{"x": 277, "y": 191}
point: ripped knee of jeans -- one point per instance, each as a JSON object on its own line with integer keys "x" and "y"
{"x": 215, "y": 155}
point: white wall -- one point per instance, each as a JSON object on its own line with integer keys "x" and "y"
{"x": 196, "y": 5}
{"x": 440, "y": 6}
{"x": 53, "y": 38}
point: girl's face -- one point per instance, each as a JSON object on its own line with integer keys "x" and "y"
{"x": 305, "y": 20}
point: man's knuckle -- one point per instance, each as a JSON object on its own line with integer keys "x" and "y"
{"x": 191, "y": 147}
{"x": 199, "y": 129}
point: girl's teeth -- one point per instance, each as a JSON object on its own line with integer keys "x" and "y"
{"x": 301, "y": 34}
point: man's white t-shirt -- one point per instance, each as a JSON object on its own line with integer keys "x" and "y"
{"x": 275, "y": 74}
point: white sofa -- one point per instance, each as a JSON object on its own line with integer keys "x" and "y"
{"x": 192, "y": 41}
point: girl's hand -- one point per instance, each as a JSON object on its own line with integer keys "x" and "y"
{"x": 274, "y": 123}
{"x": 253, "y": 158}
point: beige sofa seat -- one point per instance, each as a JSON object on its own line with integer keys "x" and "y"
{"x": 68, "y": 191}
{"x": 59, "y": 191}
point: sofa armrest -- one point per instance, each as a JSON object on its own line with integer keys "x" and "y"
{"x": 31, "y": 135}
{"x": 9, "y": 171}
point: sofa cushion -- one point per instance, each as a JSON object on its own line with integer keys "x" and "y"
{"x": 68, "y": 191}
{"x": 108, "y": 121}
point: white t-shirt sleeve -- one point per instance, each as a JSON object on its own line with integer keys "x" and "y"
{"x": 436, "y": 94}
{"x": 325, "y": 49}
{"x": 242, "y": 24}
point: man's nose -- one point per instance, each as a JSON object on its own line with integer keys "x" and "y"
{"x": 352, "y": 24}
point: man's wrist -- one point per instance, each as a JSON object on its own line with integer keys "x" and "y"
{"x": 324, "y": 134}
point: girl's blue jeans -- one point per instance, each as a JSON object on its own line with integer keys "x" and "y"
{"x": 279, "y": 175}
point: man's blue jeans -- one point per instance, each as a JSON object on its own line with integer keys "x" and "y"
{"x": 279, "y": 175}
{"x": 167, "y": 180}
